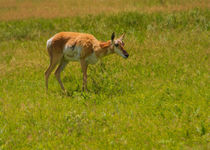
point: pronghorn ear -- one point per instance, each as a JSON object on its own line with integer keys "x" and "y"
{"x": 122, "y": 37}
{"x": 113, "y": 36}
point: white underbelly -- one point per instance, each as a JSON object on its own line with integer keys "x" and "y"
{"x": 72, "y": 53}
{"x": 91, "y": 59}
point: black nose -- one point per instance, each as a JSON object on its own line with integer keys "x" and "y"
{"x": 126, "y": 55}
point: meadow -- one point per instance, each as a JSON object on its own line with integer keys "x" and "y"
{"x": 156, "y": 99}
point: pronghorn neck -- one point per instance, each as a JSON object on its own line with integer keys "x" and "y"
{"x": 104, "y": 49}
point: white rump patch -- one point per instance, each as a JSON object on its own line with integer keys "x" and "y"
{"x": 49, "y": 42}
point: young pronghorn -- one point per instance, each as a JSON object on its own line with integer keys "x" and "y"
{"x": 84, "y": 48}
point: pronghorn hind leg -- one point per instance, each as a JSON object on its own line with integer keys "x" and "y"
{"x": 47, "y": 74}
{"x": 58, "y": 71}
{"x": 53, "y": 62}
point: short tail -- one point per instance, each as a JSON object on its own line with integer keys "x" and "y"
{"x": 49, "y": 45}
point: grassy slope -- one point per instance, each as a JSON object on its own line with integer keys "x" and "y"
{"x": 158, "y": 98}
{"x": 19, "y": 9}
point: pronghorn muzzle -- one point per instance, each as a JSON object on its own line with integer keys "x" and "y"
{"x": 125, "y": 53}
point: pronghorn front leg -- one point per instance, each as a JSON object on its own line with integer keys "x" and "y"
{"x": 84, "y": 66}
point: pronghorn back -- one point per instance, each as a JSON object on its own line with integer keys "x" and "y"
{"x": 65, "y": 40}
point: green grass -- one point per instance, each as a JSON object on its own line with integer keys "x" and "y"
{"x": 156, "y": 99}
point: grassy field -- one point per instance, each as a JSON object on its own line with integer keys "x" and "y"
{"x": 156, "y": 99}
{"x": 19, "y": 9}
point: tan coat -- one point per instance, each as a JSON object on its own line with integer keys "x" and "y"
{"x": 84, "y": 48}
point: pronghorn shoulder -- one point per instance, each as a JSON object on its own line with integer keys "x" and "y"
{"x": 67, "y": 35}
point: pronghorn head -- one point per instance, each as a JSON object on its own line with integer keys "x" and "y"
{"x": 118, "y": 45}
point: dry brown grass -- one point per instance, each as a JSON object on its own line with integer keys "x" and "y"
{"x": 14, "y": 9}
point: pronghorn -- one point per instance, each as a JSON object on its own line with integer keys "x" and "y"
{"x": 84, "y": 48}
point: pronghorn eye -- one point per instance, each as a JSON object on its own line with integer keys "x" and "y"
{"x": 116, "y": 45}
